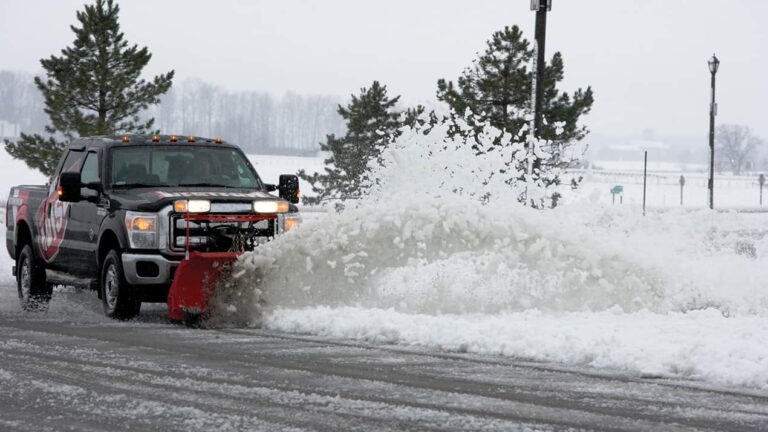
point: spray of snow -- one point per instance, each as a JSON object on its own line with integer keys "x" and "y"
{"x": 441, "y": 254}
{"x": 439, "y": 233}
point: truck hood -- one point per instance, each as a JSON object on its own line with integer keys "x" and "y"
{"x": 154, "y": 199}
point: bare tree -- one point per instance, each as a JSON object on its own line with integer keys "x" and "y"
{"x": 260, "y": 123}
{"x": 736, "y": 148}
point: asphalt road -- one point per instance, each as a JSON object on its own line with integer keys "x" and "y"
{"x": 71, "y": 369}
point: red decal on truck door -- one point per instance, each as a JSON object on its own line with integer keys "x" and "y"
{"x": 52, "y": 218}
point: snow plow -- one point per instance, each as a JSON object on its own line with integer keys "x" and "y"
{"x": 195, "y": 282}
{"x": 200, "y": 275}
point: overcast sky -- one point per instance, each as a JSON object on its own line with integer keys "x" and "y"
{"x": 645, "y": 59}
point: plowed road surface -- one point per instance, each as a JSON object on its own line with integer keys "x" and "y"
{"x": 73, "y": 369}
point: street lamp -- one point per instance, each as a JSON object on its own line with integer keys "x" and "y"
{"x": 714, "y": 64}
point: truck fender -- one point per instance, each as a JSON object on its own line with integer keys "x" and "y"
{"x": 111, "y": 235}
{"x": 22, "y": 229}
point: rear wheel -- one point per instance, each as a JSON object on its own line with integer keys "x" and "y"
{"x": 117, "y": 296}
{"x": 34, "y": 292}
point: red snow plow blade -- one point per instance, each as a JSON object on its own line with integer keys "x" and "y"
{"x": 195, "y": 283}
{"x": 199, "y": 274}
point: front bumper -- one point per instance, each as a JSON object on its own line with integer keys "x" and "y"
{"x": 155, "y": 269}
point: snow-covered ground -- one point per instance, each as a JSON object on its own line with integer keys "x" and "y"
{"x": 680, "y": 293}
{"x": 663, "y": 187}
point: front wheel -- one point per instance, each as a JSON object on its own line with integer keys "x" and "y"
{"x": 117, "y": 296}
{"x": 34, "y": 292}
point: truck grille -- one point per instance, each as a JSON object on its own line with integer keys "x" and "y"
{"x": 221, "y": 232}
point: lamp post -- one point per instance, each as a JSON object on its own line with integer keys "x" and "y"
{"x": 714, "y": 64}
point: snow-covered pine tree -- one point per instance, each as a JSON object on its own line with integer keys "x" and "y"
{"x": 93, "y": 88}
{"x": 372, "y": 120}
{"x": 497, "y": 89}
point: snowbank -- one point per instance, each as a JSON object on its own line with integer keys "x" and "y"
{"x": 421, "y": 261}
{"x": 698, "y": 344}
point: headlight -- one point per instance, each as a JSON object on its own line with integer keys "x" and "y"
{"x": 142, "y": 230}
{"x": 192, "y": 206}
{"x": 270, "y": 206}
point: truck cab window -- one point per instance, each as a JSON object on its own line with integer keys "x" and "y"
{"x": 180, "y": 166}
{"x": 90, "y": 174}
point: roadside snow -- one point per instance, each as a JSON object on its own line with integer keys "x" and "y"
{"x": 699, "y": 344}
{"x": 671, "y": 295}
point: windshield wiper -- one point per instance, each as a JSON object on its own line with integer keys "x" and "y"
{"x": 206, "y": 185}
{"x": 134, "y": 185}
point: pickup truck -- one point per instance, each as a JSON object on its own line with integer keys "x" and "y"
{"x": 115, "y": 216}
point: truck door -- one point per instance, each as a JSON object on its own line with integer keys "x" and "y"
{"x": 85, "y": 220}
{"x": 53, "y": 219}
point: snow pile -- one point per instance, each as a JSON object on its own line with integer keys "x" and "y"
{"x": 441, "y": 255}
{"x": 456, "y": 256}
{"x": 698, "y": 344}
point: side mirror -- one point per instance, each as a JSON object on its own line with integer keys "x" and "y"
{"x": 289, "y": 188}
{"x": 270, "y": 187}
{"x": 69, "y": 187}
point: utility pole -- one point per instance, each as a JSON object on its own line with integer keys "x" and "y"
{"x": 541, "y": 7}
{"x": 537, "y": 90}
{"x": 714, "y": 64}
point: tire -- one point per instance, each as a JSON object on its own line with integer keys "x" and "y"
{"x": 34, "y": 292}
{"x": 117, "y": 296}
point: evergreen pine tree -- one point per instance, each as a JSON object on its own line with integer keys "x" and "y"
{"x": 497, "y": 90}
{"x": 93, "y": 88}
{"x": 371, "y": 120}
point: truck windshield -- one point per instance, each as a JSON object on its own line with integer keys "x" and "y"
{"x": 179, "y": 166}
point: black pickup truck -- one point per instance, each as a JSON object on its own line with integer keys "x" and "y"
{"x": 112, "y": 218}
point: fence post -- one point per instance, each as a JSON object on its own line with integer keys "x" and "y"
{"x": 645, "y": 178}
{"x": 682, "y": 183}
